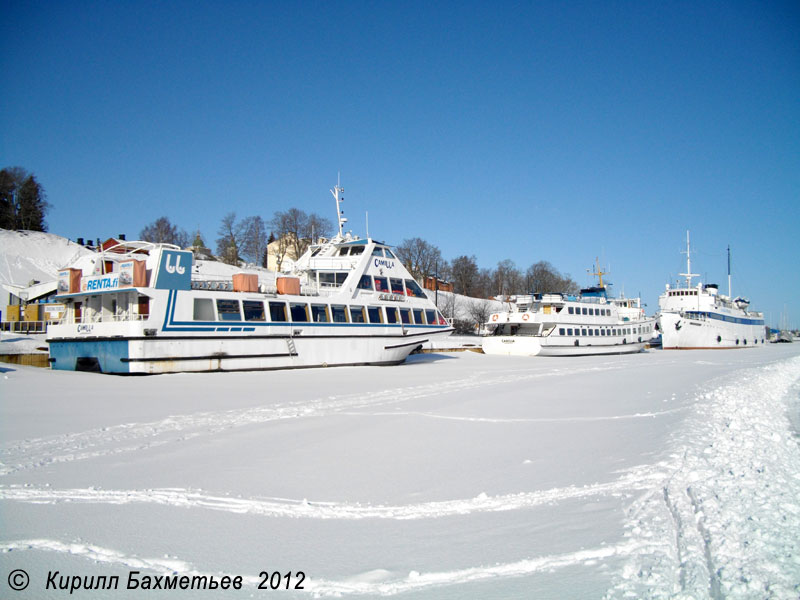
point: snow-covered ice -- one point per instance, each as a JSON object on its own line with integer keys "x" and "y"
{"x": 657, "y": 475}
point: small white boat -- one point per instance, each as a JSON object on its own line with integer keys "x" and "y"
{"x": 350, "y": 302}
{"x": 563, "y": 325}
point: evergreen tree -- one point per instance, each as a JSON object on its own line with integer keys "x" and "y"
{"x": 22, "y": 201}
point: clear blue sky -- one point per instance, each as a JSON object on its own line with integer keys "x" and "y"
{"x": 552, "y": 131}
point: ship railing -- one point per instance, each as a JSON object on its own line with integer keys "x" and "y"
{"x": 99, "y": 318}
{"x": 24, "y": 326}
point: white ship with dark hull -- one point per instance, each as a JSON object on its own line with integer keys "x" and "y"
{"x": 699, "y": 317}
{"x": 563, "y": 325}
{"x": 350, "y": 302}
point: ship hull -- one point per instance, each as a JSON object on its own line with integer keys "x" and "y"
{"x": 682, "y": 333}
{"x": 520, "y": 345}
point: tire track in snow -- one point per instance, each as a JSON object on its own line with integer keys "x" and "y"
{"x": 723, "y": 522}
{"x": 34, "y": 453}
{"x": 374, "y": 583}
{"x": 648, "y": 415}
{"x": 633, "y": 480}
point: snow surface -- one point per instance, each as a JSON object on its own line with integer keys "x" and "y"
{"x": 658, "y": 475}
{"x": 28, "y": 255}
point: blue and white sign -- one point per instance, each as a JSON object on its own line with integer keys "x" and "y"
{"x": 174, "y": 270}
{"x": 100, "y": 283}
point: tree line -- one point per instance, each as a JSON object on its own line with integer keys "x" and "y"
{"x": 23, "y": 205}
{"x": 246, "y": 239}
{"x": 424, "y": 260}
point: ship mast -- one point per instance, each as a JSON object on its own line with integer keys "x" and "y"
{"x": 337, "y": 195}
{"x": 598, "y": 273}
{"x": 688, "y": 273}
{"x": 729, "y": 271}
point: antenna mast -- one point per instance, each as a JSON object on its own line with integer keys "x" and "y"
{"x": 598, "y": 272}
{"x": 729, "y": 271}
{"x": 337, "y": 195}
{"x": 688, "y": 273}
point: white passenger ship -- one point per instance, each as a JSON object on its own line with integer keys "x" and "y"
{"x": 699, "y": 317}
{"x": 563, "y": 325}
{"x": 351, "y": 302}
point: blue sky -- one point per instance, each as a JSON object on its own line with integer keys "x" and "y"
{"x": 532, "y": 131}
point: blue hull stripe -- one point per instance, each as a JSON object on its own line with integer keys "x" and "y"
{"x": 726, "y": 318}
{"x": 170, "y": 324}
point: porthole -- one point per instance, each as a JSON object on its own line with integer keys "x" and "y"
{"x": 719, "y": 339}
{"x": 737, "y": 342}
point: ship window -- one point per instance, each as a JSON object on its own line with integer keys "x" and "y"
{"x": 405, "y": 315}
{"x": 430, "y": 314}
{"x": 299, "y": 311}
{"x": 413, "y": 289}
{"x": 365, "y": 283}
{"x": 376, "y": 251}
{"x": 440, "y": 320}
{"x": 397, "y": 286}
{"x": 203, "y": 309}
{"x": 583, "y": 332}
{"x": 389, "y": 254}
{"x": 319, "y": 313}
{"x": 375, "y": 314}
{"x": 357, "y": 314}
{"x": 560, "y": 331}
{"x": 418, "y": 318}
{"x": 253, "y": 310}
{"x": 356, "y": 250}
{"x": 569, "y": 331}
{"x": 391, "y": 314}
{"x": 228, "y": 310}
{"x": 381, "y": 284}
{"x": 571, "y": 310}
{"x": 596, "y": 332}
{"x": 586, "y": 312}
{"x": 332, "y": 279}
{"x": 591, "y": 332}
{"x": 343, "y": 251}
{"x": 277, "y": 312}
{"x": 339, "y": 313}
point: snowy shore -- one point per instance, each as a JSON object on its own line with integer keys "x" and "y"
{"x": 456, "y": 475}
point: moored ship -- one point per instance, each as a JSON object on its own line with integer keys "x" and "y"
{"x": 699, "y": 317}
{"x": 349, "y": 301}
{"x": 564, "y": 325}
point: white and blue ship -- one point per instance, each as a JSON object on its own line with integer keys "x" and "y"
{"x": 349, "y": 302}
{"x": 699, "y": 317}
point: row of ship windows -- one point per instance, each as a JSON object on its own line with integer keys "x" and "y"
{"x": 302, "y": 312}
{"x": 604, "y": 331}
{"x": 359, "y": 249}
{"x": 683, "y": 293}
{"x": 599, "y": 312}
{"x": 391, "y": 285}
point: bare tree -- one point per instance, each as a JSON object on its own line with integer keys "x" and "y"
{"x": 229, "y": 241}
{"x": 542, "y": 277}
{"x": 161, "y": 231}
{"x": 479, "y": 311}
{"x": 295, "y": 229}
{"x": 507, "y": 278}
{"x": 419, "y": 257}
{"x": 254, "y": 238}
{"x": 464, "y": 272}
